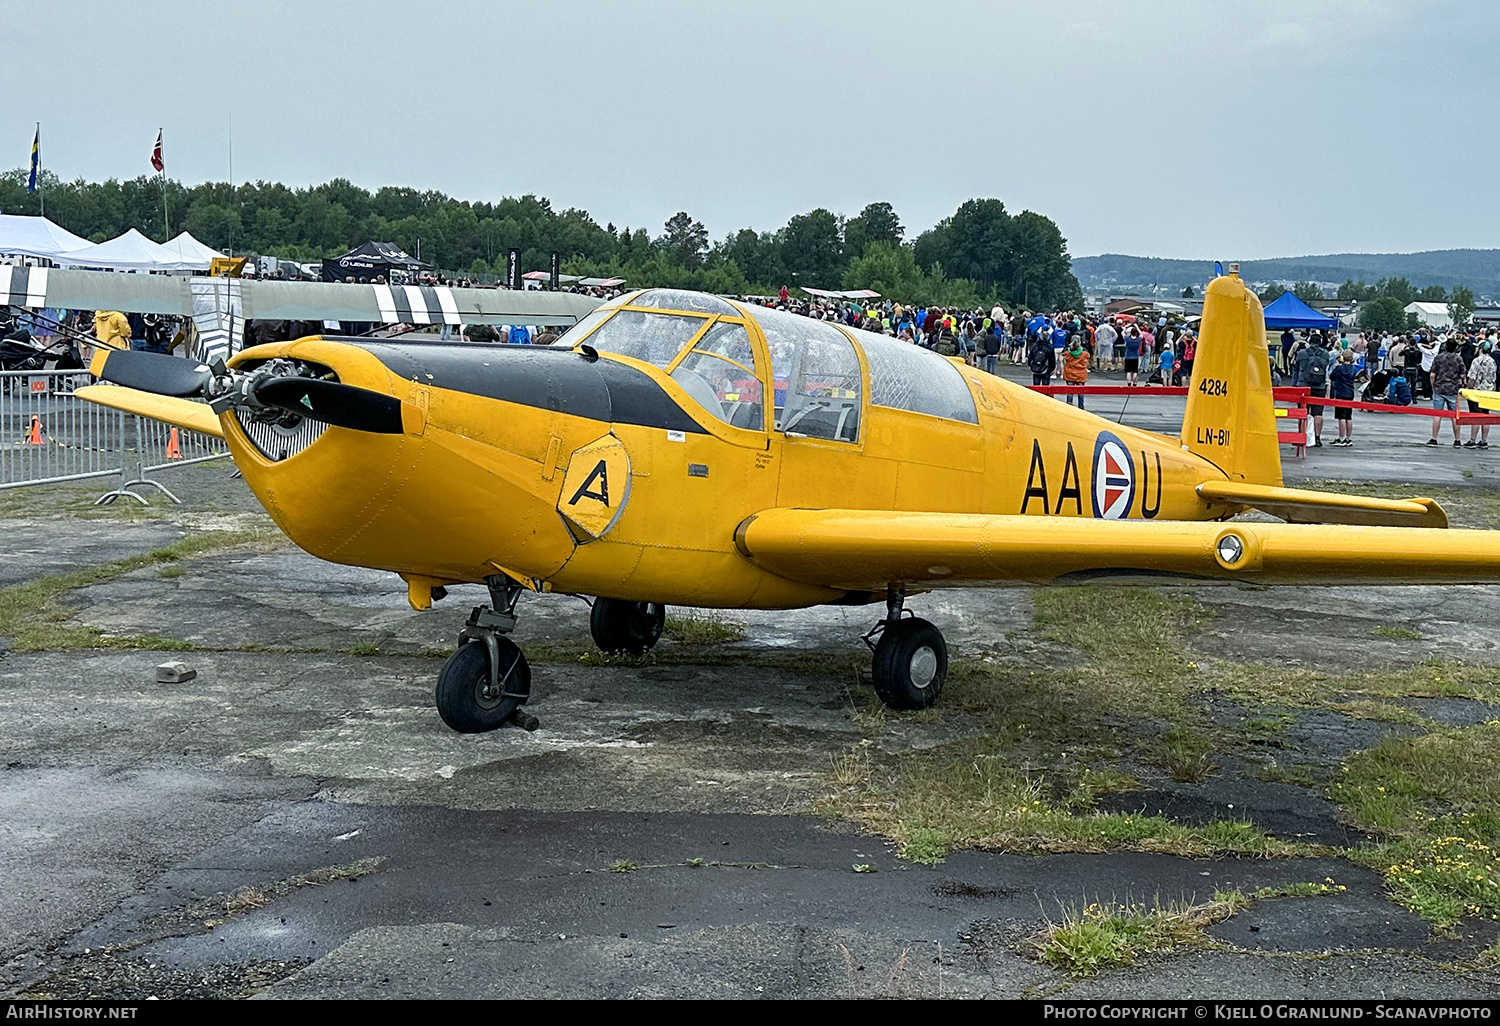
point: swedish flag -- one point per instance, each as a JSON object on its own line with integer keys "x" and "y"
{"x": 36, "y": 159}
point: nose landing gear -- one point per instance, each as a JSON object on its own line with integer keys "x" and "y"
{"x": 911, "y": 658}
{"x": 484, "y": 684}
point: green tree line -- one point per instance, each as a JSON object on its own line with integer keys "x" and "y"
{"x": 981, "y": 254}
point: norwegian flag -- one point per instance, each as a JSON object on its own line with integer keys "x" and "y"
{"x": 156, "y": 160}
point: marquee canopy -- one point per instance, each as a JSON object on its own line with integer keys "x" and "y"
{"x": 849, "y": 294}
{"x": 130, "y": 252}
{"x": 373, "y": 260}
{"x": 1287, "y": 311}
{"x": 191, "y": 254}
{"x": 35, "y": 237}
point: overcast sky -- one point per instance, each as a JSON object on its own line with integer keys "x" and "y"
{"x": 1181, "y": 128}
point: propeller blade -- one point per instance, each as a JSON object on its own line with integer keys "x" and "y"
{"x": 333, "y": 403}
{"x": 156, "y": 372}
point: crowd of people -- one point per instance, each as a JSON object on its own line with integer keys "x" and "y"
{"x": 1393, "y": 369}
{"x": 1065, "y": 345}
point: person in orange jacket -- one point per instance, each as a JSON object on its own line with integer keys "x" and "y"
{"x": 1075, "y": 366}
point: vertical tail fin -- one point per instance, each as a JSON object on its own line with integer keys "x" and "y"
{"x": 1231, "y": 418}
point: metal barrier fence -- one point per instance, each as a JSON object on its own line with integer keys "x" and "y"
{"x": 48, "y": 436}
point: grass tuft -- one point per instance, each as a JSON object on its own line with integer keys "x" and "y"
{"x": 1311, "y": 889}
{"x": 1100, "y": 936}
{"x": 248, "y": 899}
{"x": 1433, "y": 799}
{"x": 703, "y": 629}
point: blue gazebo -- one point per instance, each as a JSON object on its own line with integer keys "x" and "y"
{"x": 1287, "y": 311}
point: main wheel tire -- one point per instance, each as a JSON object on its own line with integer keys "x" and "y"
{"x": 465, "y": 699}
{"x": 626, "y": 627}
{"x": 911, "y": 660}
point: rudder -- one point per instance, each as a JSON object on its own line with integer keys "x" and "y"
{"x": 1230, "y": 418}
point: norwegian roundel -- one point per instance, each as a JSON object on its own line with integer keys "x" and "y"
{"x": 1114, "y": 478}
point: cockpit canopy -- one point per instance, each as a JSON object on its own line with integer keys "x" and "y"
{"x": 713, "y": 350}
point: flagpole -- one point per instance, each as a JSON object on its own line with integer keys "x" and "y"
{"x": 41, "y": 193}
{"x": 166, "y": 219}
{"x": 233, "y": 192}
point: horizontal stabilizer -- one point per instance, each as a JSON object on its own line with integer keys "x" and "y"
{"x": 182, "y": 412}
{"x": 1300, "y": 506}
{"x": 868, "y": 550}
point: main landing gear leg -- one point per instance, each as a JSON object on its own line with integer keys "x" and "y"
{"x": 632, "y": 628}
{"x": 911, "y": 658}
{"x": 484, "y": 684}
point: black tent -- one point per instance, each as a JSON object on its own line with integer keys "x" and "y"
{"x": 370, "y": 261}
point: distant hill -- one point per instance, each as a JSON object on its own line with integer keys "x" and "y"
{"x": 1479, "y": 269}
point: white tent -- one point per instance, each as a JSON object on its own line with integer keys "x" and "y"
{"x": 130, "y": 252}
{"x": 191, "y": 254}
{"x": 1433, "y": 315}
{"x": 35, "y": 237}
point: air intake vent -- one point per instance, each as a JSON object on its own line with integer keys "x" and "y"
{"x": 276, "y": 442}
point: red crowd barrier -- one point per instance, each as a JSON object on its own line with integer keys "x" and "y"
{"x": 1297, "y": 398}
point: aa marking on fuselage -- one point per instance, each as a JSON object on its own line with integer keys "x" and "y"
{"x": 1071, "y": 486}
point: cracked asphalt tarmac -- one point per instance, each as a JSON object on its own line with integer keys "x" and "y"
{"x": 148, "y": 831}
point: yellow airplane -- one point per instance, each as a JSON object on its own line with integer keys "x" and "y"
{"x": 679, "y": 448}
{"x": 1487, "y": 400}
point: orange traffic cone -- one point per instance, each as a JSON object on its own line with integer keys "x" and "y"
{"x": 173, "y": 452}
{"x": 34, "y": 435}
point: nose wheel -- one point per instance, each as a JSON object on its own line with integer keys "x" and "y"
{"x": 911, "y": 658}
{"x": 484, "y": 684}
{"x": 478, "y": 691}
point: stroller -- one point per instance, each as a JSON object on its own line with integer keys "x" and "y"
{"x": 1376, "y": 389}
{"x": 19, "y": 351}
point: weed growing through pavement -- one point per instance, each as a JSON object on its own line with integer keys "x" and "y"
{"x": 702, "y": 629}
{"x": 1099, "y": 936}
{"x": 1309, "y": 889}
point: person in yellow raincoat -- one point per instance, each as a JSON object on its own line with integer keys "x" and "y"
{"x": 112, "y": 329}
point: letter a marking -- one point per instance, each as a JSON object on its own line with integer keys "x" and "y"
{"x": 602, "y": 494}
{"x": 1033, "y": 489}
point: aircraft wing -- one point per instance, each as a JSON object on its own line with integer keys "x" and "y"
{"x": 411, "y": 304}
{"x": 863, "y": 550}
{"x": 258, "y": 299}
{"x": 37, "y": 287}
{"x": 182, "y": 412}
{"x": 1488, "y": 400}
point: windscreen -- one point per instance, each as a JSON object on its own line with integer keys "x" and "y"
{"x": 816, "y": 375}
